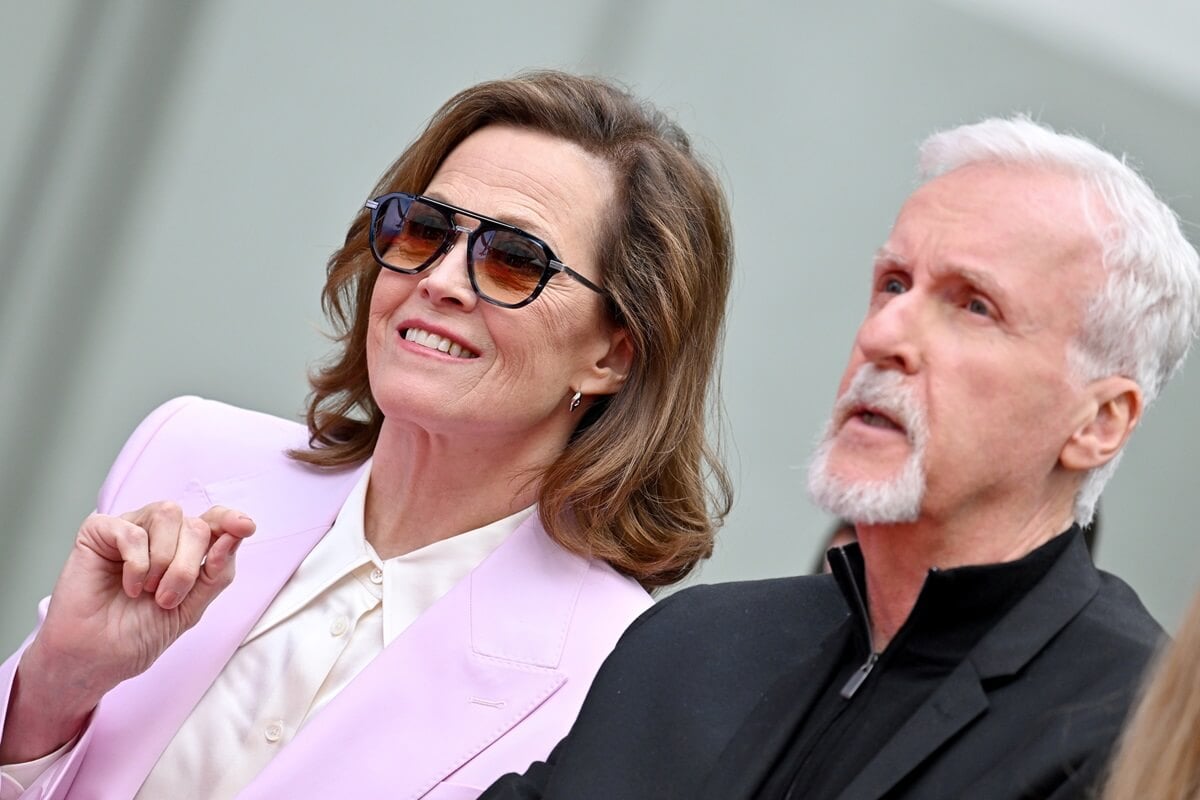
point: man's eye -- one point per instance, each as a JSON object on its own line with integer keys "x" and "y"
{"x": 894, "y": 286}
{"x": 979, "y": 307}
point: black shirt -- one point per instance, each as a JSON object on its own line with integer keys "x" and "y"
{"x": 867, "y": 696}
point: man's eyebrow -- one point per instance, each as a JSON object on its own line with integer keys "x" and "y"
{"x": 886, "y": 256}
{"x": 984, "y": 281}
{"x": 977, "y": 278}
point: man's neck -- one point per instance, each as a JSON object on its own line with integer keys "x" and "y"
{"x": 897, "y": 558}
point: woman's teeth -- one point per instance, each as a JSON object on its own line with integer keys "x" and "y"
{"x": 435, "y": 342}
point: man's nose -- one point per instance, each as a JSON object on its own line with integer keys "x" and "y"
{"x": 891, "y": 336}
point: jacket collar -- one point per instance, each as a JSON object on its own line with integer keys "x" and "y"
{"x": 1005, "y": 650}
{"x": 955, "y": 608}
{"x": 1015, "y": 640}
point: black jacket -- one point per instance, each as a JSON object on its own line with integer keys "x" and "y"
{"x": 681, "y": 707}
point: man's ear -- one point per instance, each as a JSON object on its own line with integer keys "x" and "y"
{"x": 607, "y": 375}
{"x": 1114, "y": 408}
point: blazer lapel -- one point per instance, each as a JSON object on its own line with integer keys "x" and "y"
{"x": 764, "y": 734}
{"x": 958, "y": 700}
{"x": 136, "y": 721}
{"x": 1067, "y": 587}
{"x": 1004, "y": 651}
{"x": 475, "y": 664}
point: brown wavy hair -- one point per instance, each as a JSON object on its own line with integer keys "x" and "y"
{"x": 1159, "y": 754}
{"x": 639, "y": 484}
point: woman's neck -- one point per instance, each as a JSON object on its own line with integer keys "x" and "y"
{"x": 427, "y": 487}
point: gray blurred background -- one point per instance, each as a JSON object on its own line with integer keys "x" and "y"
{"x": 173, "y": 176}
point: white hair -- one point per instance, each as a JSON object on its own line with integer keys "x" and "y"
{"x": 890, "y": 501}
{"x": 1143, "y": 320}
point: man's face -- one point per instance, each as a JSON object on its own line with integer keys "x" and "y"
{"x": 963, "y": 380}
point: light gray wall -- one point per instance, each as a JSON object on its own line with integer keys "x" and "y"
{"x": 173, "y": 176}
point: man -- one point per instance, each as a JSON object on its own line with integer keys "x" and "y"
{"x": 1032, "y": 298}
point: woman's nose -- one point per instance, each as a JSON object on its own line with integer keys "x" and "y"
{"x": 446, "y": 280}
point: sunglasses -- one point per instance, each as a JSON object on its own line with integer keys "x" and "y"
{"x": 507, "y": 266}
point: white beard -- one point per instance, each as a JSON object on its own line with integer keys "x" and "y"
{"x": 890, "y": 501}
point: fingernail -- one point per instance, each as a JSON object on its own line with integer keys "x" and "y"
{"x": 243, "y": 516}
{"x": 168, "y": 599}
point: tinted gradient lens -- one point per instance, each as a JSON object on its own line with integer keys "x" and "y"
{"x": 409, "y": 234}
{"x": 506, "y": 266}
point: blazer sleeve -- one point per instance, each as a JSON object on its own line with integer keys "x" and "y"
{"x": 55, "y": 782}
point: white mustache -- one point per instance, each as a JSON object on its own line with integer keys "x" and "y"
{"x": 884, "y": 391}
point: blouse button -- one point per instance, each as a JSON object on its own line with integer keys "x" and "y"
{"x": 338, "y": 627}
{"x": 377, "y": 575}
{"x": 274, "y": 732}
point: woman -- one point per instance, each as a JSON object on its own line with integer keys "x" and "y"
{"x": 508, "y": 442}
{"x": 1159, "y": 754}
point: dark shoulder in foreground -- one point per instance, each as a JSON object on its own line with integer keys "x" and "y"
{"x": 677, "y": 687}
{"x": 743, "y": 612}
{"x": 1118, "y": 611}
{"x": 723, "y": 639}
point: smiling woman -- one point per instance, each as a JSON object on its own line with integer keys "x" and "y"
{"x": 631, "y": 486}
{"x": 505, "y": 451}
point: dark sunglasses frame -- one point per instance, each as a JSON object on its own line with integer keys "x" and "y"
{"x": 553, "y": 265}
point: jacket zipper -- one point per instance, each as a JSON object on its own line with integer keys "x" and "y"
{"x": 860, "y": 675}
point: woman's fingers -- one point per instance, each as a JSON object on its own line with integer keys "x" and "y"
{"x": 196, "y": 542}
{"x": 219, "y": 566}
{"x": 164, "y": 552}
{"x": 222, "y": 520}
{"x": 129, "y": 543}
{"x": 229, "y": 528}
{"x": 162, "y": 522}
{"x": 190, "y": 549}
{"x": 215, "y": 575}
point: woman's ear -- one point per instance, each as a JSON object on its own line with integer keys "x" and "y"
{"x": 607, "y": 375}
{"x": 1114, "y": 410}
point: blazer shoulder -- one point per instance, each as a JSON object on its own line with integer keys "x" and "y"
{"x": 612, "y": 590}
{"x": 1116, "y": 616}
{"x": 729, "y": 623}
{"x": 719, "y": 604}
{"x": 570, "y": 610}
{"x": 606, "y": 604}
{"x": 192, "y": 438}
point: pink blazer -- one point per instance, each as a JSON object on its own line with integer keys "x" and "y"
{"x": 485, "y": 681}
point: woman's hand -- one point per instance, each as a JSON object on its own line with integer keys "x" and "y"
{"x": 131, "y": 586}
